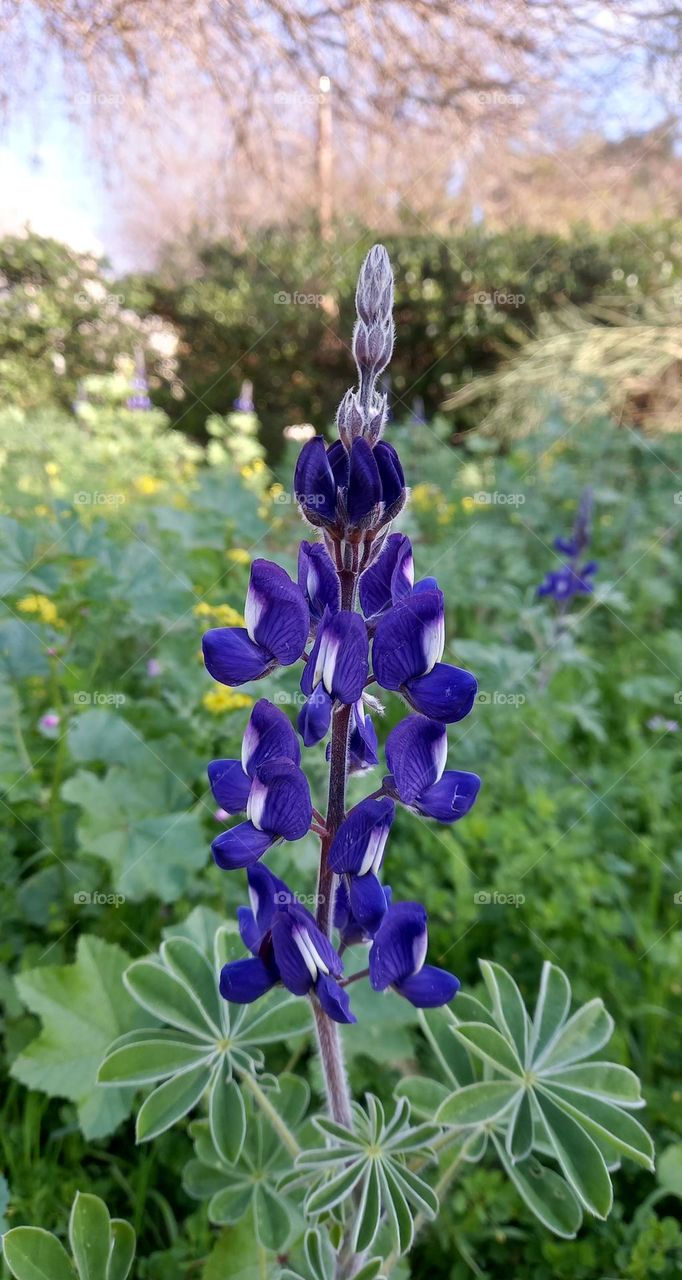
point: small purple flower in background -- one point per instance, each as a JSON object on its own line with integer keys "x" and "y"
{"x": 573, "y": 578}
{"x": 659, "y": 724}
{"x": 244, "y": 401}
{"x": 139, "y": 400}
{"x": 349, "y": 491}
{"x": 49, "y": 724}
{"x": 154, "y": 668}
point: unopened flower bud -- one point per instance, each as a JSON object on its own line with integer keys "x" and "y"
{"x": 350, "y": 419}
{"x": 374, "y": 295}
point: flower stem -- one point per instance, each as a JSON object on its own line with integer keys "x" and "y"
{"x": 272, "y": 1114}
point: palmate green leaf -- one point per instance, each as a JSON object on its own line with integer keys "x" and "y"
{"x": 90, "y": 1236}
{"x": 122, "y": 1253}
{"x": 519, "y": 1141}
{"x": 229, "y": 1204}
{"x": 188, "y": 963}
{"x": 587, "y": 1031}
{"x": 606, "y": 1080}
{"x": 83, "y": 1007}
{"x": 424, "y": 1096}
{"x": 490, "y": 1046}
{"x": 580, "y": 1159}
{"x": 34, "y": 1254}
{"x": 508, "y": 1007}
{"x": 400, "y": 1220}
{"x": 551, "y": 1010}
{"x": 227, "y": 1117}
{"x": 368, "y": 1212}
{"x": 478, "y": 1104}
{"x": 545, "y": 1192}
{"x": 149, "y": 1060}
{"x": 271, "y": 1218}
{"x": 607, "y": 1124}
{"x": 164, "y": 995}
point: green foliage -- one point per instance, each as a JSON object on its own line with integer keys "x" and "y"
{"x": 102, "y": 1248}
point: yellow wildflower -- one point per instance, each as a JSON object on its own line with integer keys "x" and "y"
{"x": 423, "y": 496}
{"x": 52, "y": 469}
{"x": 44, "y": 609}
{"x": 223, "y": 614}
{"x": 224, "y": 700}
{"x": 238, "y": 555}
{"x": 41, "y": 509}
{"x": 147, "y": 485}
{"x": 468, "y": 505}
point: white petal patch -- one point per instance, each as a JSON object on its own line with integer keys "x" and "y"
{"x": 256, "y": 803}
{"x": 419, "y": 949}
{"x": 253, "y": 610}
{"x": 254, "y": 901}
{"x": 312, "y": 583}
{"x": 440, "y": 754}
{"x": 311, "y": 957}
{"x": 434, "y": 642}
{"x": 375, "y": 849}
{"x": 249, "y": 743}
{"x": 407, "y": 570}
{"x": 331, "y": 654}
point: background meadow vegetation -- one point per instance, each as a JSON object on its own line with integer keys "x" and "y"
{"x": 526, "y": 368}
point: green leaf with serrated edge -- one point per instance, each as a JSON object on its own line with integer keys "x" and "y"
{"x": 34, "y": 1254}
{"x": 90, "y": 1236}
{"x": 276, "y": 1020}
{"x": 271, "y": 1218}
{"x": 229, "y": 1205}
{"x": 122, "y": 1253}
{"x": 617, "y": 1129}
{"x": 553, "y": 1004}
{"x": 490, "y": 1046}
{"x": 545, "y": 1192}
{"x": 416, "y": 1190}
{"x": 478, "y": 1103}
{"x": 319, "y": 1254}
{"x": 581, "y": 1161}
{"x": 186, "y": 960}
{"x": 397, "y": 1209}
{"x": 170, "y": 1102}
{"x": 162, "y": 994}
{"x": 424, "y": 1096}
{"x": 586, "y": 1031}
{"x": 336, "y": 1189}
{"x": 508, "y": 1007}
{"x": 368, "y": 1213}
{"x": 606, "y": 1080}
{"x": 520, "y": 1132}
{"x": 147, "y": 1061}
{"x": 227, "y": 1117}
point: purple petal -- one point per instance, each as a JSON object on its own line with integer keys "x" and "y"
{"x": 318, "y": 580}
{"x": 249, "y": 932}
{"x": 389, "y": 579}
{"x": 359, "y": 843}
{"x": 315, "y": 715}
{"x": 243, "y": 981}
{"x": 409, "y": 639}
{"x": 390, "y": 473}
{"x": 367, "y": 902}
{"x": 279, "y": 800}
{"x": 241, "y": 846}
{"x": 269, "y": 735}
{"x": 334, "y": 1000}
{"x": 416, "y": 752}
{"x": 430, "y": 988}
{"x": 447, "y": 693}
{"x": 229, "y": 784}
{"x": 232, "y": 657}
{"x": 399, "y": 947}
{"x": 266, "y": 894}
{"x": 314, "y": 484}
{"x": 363, "y": 748}
{"x": 276, "y": 612}
{"x": 364, "y": 483}
{"x": 339, "y": 657}
{"x": 337, "y": 457}
{"x": 451, "y": 797}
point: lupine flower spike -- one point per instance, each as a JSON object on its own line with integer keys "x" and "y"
{"x": 573, "y": 578}
{"x": 349, "y": 492}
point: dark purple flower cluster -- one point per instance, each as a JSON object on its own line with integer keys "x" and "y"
{"x": 573, "y": 578}
{"x": 351, "y": 491}
{"x": 139, "y": 399}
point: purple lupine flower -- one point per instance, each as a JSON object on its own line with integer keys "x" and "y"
{"x": 154, "y": 668}
{"x": 267, "y": 784}
{"x": 139, "y": 400}
{"x": 397, "y": 956}
{"x": 573, "y": 578}
{"x": 408, "y": 646}
{"x": 357, "y": 852}
{"x": 337, "y": 668}
{"x": 244, "y": 401}
{"x": 390, "y": 577}
{"x": 277, "y": 624}
{"x": 351, "y": 932}
{"x": 287, "y": 947}
{"x": 363, "y": 748}
{"x": 361, "y": 487}
{"x": 318, "y": 580}
{"x": 416, "y": 753}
